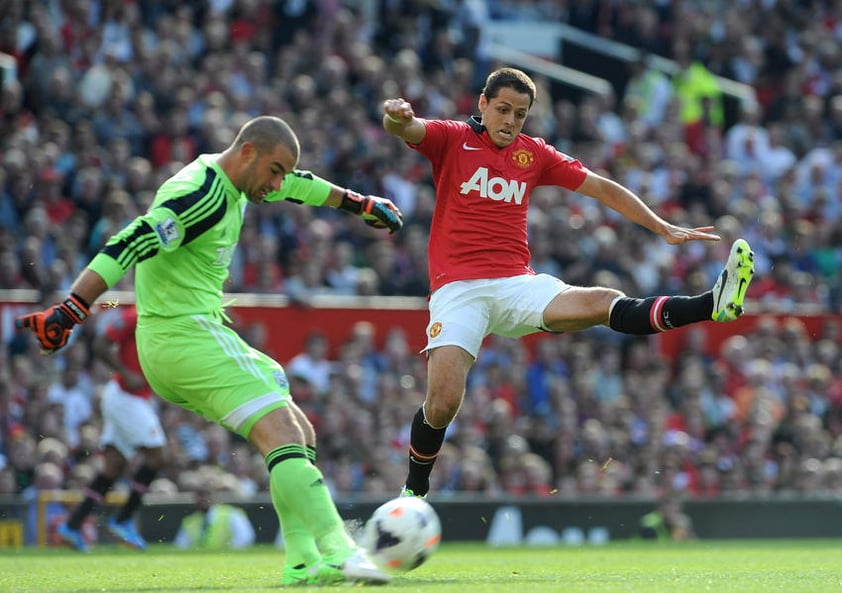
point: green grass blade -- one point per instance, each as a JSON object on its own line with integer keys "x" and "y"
{"x": 802, "y": 566}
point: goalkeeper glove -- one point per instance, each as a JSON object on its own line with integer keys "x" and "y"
{"x": 53, "y": 326}
{"x": 379, "y": 213}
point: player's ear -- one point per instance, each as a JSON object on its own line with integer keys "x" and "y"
{"x": 482, "y": 102}
{"x": 248, "y": 152}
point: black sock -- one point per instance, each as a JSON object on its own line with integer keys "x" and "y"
{"x": 94, "y": 495}
{"x": 140, "y": 484}
{"x": 658, "y": 314}
{"x": 424, "y": 445}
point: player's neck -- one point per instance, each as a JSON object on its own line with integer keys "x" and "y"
{"x": 227, "y": 161}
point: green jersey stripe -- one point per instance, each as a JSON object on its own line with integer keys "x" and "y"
{"x": 202, "y": 205}
{"x": 135, "y": 243}
{"x": 200, "y": 209}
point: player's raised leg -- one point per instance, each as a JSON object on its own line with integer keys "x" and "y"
{"x": 662, "y": 313}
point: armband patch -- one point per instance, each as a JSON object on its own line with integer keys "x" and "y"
{"x": 167, "y": 231}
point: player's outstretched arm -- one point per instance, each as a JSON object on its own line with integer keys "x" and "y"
{"x": 399, "y": 119}
{"x": 627, "y": 203}
{"x": 304, "y": 187}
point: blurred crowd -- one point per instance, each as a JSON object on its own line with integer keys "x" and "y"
{"x": 107, "y": 98}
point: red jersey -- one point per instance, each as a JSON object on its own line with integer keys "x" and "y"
{"x": 479, "y": 227}
{"x": 120, "y": 329}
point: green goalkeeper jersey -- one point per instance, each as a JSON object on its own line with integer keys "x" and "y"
{"x": 183, "y": 246}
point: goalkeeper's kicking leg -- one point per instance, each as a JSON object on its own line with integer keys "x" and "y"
{"x": 219, "y": 376}
{"x": 301, "y": 551}
{"x": 319, "y": 549}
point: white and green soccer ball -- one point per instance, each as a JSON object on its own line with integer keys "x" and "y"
{"x": 402, "y": 533}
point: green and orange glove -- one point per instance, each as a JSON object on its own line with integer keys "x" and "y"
{"x": 379, "y": 213}
{"x": 54, "y": 326}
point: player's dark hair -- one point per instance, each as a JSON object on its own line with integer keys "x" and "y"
{"x": 266, "y": 132}
{"x": 511, "y": 78}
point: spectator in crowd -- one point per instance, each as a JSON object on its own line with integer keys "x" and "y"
{"x": 214, "y": 525}
{"x": 648, "y": 92}
{"x": 8, "y": 487}
{"x": 73, "y": 393}
{"x": 21, "y": 451}
{"x": 668, "y": 522}
{"x": 313, "y": 365}
{"x": 491, "y": 289}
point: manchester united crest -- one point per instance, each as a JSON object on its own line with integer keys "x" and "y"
{"x": 435, "y": 329}
{"x": 523, "y": 158}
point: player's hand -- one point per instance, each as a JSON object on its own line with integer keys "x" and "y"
{"x": 398, "y": 111}
{"x": 675, "y": 235}
{"x": 380, "y": 213}
{"x": 53, "y": 326}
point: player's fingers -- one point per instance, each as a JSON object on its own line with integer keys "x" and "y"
{"x": 395, "y": 225}
{"x": 707, "y": 236}
{"x": 376, "y": 223}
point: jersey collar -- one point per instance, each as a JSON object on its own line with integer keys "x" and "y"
{"x": 481, "y": 131}
{"x": 475, "y": 124}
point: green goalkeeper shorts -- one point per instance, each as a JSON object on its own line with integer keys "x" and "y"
{"x": 200, "y": 364}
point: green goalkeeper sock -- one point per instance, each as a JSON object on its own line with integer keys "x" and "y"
{"x": 297, "y": 486}
{"x": 299, "y": 545}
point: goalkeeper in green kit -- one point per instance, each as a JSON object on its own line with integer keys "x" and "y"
{"x": 182, "y": 249}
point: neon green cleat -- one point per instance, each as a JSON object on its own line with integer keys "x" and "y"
{"x": 352, "y": 566}
{"x": 732, "y": 284}
{"x": 297, "y": 576}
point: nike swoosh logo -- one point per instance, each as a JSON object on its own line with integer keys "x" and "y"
{"x": 466, "y": 146}
{"x": 722, "y": 288}
{"x": 742, "y": 286}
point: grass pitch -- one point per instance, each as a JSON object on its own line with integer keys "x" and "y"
{"x": 801, "y": 566}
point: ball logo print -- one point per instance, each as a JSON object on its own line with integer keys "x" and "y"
{"x": 402, "y": 534}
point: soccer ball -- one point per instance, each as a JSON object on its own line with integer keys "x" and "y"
{"x": 402, "y": 533}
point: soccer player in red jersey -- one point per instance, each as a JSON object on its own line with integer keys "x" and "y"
{"x": 130, "y": 426}
{"x": 479, "y": 261}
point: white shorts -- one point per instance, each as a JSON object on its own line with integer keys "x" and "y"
{"x": 464, "y": 312}
{"x": 128, "y": 422}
